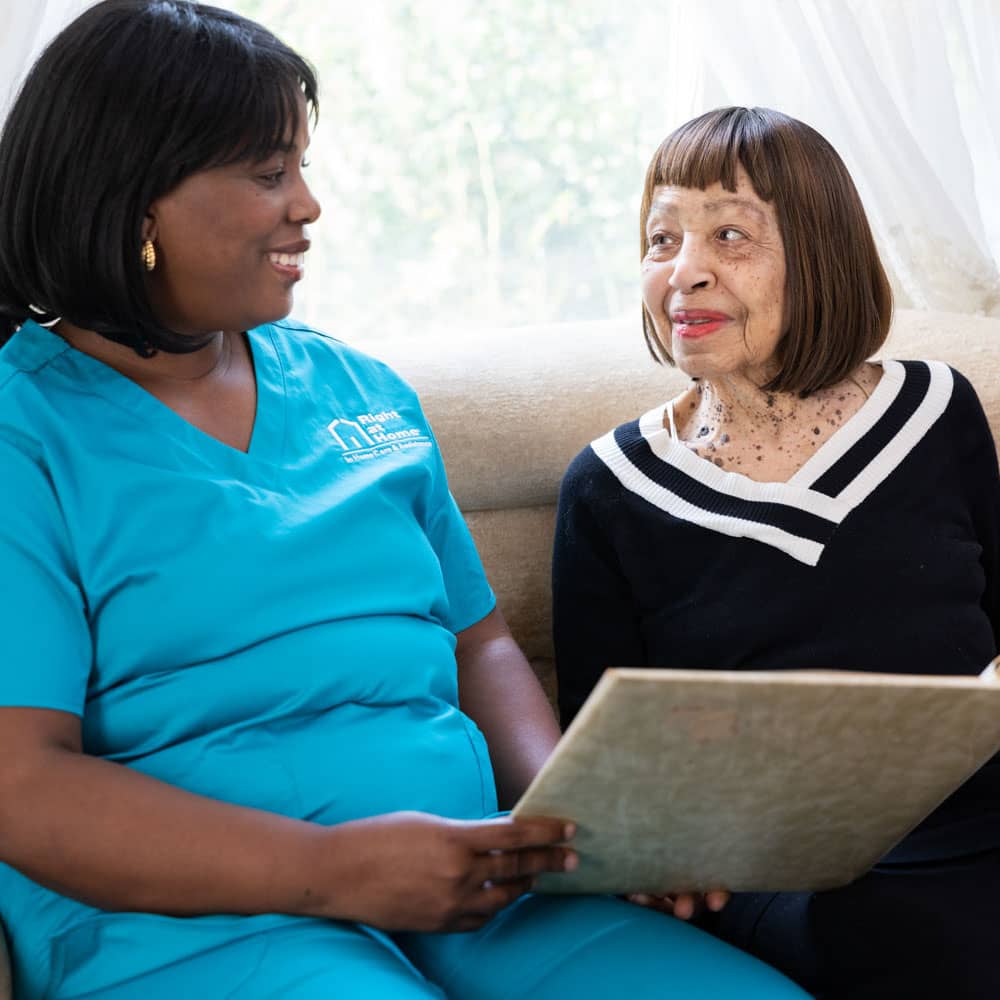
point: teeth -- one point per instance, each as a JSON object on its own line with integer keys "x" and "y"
{"x": 287, "y": 259}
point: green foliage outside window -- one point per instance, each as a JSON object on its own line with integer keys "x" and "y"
{"x": 478, "y": 162}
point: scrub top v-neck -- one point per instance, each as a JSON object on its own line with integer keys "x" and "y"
{"x": 267, "y": 437}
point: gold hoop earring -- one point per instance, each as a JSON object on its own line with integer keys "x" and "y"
{"x": 148, "y": 255}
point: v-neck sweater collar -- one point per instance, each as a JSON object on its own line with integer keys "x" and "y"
{"x": 800, "y": 515}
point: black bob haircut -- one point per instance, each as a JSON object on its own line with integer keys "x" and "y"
{"x": 125, "y": 103}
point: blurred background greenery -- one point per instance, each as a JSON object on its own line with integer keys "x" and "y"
{"x": 479, "y": 163}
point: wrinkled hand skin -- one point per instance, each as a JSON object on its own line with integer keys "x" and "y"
{"x": 417, "y": 872}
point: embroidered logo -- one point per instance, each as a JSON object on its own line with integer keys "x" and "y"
{"x": 371, "y": 435}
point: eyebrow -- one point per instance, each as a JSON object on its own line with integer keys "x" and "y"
{"x": 714, "y": 206}
{"x": 282, "y": 149}
{"x": 744, "y": 203}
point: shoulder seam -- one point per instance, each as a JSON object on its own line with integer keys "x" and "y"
{"x": 14, "y": 370}
{"x": 299, "y": 327}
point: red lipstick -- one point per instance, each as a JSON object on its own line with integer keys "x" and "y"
{"x": 692, "y": 323}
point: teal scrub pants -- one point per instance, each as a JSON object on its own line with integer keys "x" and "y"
{"x": 540, "y": 947}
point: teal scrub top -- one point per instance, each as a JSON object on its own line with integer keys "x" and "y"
{"x": 273, "y": 628}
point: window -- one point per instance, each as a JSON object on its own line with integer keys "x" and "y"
{"x": 480, "y": 161}
{"x": 479, "y": 164}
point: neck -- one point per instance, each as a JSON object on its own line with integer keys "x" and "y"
{"x": 726, "y": 405}
{"x": 162, "y": 367}
{"x": 767, "y": 436}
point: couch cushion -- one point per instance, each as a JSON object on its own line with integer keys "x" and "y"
{"x": 515, "y": 545}
{"x": 511, "y": 408}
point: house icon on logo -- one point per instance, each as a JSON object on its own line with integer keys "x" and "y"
{"x": 350, "y": 436}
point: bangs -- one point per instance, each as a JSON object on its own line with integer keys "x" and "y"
{"x": 239, "y": 93}
{"x": 263, "y": 119}
{"x": 711, "y": 149}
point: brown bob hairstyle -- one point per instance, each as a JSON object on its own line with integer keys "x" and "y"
{"x": 838, "y": 303}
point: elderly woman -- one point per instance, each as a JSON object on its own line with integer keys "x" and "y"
{"x": 796, "y": 506}
{"x": 255, "y": 686}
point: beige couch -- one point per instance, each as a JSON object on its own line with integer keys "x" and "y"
{"x": 511, "y": 409}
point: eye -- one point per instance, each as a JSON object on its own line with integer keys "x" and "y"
{"x": 272, "y": 178}
{"x": 730, "y": 235}
{"x": 305, "y": 163}
{"x": 660, "y": 239}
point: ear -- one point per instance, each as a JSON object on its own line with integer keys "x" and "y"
{"x": 149, "y": 227}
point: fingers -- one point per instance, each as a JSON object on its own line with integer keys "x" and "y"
{"x": 506, "y": 865}
{"x": 522, "y": 847}
{"x": 716, "y": 900}
{"x": 684, "y": 905}
{"x": 507, "y": 834}
{"x": 689, "y": 904}
{"x": 662, "y": 904}
{"x": 485, "y": 903}
{"x": 494, "y": 896}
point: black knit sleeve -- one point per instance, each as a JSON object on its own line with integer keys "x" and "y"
{"x": 594, "y": 618}
{"x": 981, "y": 477}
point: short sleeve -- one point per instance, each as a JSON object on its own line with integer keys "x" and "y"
{"x": 45, "y": 643}
{"x": 594, "y": 618}
{"x": 470, "y": 597}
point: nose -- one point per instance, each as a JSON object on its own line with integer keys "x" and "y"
{"x": 304, "y": 209}
{"x": 692, "y": 266}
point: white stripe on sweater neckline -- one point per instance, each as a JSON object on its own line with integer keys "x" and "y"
{"x": 797, "y": 492}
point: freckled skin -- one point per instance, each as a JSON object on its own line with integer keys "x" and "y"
{"x": 721, "y": 252}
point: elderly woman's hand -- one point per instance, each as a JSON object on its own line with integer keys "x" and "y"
{"x": 684, "y": 905}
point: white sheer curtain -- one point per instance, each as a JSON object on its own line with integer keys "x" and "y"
{"x": 908, "y": 91}
{"x": 26, "y": 27}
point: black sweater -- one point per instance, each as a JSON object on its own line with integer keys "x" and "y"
{"x": 880, "y": 554}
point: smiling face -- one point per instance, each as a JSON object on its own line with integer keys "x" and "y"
{"x": 230, "y": 242}
{"x": 713, "y": 279}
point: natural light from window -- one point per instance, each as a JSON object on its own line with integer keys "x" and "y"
{"x": 479, "y": 162}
